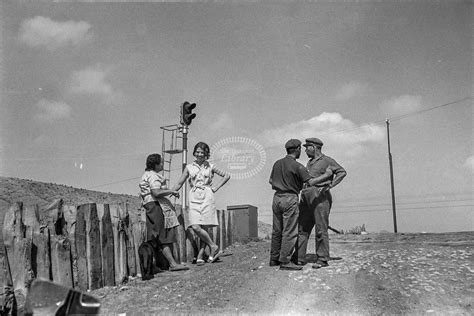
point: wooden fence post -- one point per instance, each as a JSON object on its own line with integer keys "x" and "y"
{"x": 107, "y": 244}
{"x": 180, "y": 245}
{"x": 8, "y": 302}
{"x": 230, "y": 227}
{"x": 120, "y": 252}
{"x": 222, "y": 224}
{"x": 52, "y": 218}
{"x": 18, "y": 252}
{"x": 93, "y": 251}
{"x": 70, "y": 214}
{"x": 138, "y": 232}
{"x": 81, "y": 249}
{"x": 129, "y": 241}
{"x": 40, "y": 249}
{"x": 191, "y": 243}
{"x": 61, "y": 260}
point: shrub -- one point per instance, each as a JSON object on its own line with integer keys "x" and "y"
{"x": 356, "y": 230}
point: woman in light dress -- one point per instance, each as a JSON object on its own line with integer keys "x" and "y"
{"x": 202, "y": 208}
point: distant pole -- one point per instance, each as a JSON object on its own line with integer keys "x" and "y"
{"x": 185, "y": 161}
{"x": 391, "y": 178}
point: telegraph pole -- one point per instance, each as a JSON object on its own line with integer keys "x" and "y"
{"x": 185, "y": 161}
{"x": 392, "y": 186}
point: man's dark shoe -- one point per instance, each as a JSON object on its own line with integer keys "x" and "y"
{"x": 320, "y": 264}
{"x": 298, "y": 262}
{"x": 290, "y": 266}
{"x": 274, "y": 263}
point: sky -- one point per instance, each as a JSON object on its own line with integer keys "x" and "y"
{"x": 85, "y": 88}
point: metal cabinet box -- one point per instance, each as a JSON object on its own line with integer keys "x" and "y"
{"x": 244, "y": 222}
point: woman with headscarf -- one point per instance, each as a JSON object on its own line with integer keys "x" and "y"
{"x": 161, "y": 220}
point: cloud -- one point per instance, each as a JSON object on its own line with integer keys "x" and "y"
{"x": 52, "y": 110}
{"x": 93, "y": 81}
{"x": 469, "y": 164}
{"x": 90, "y": 81}
{"x": 42, "y": 31}
{"x": 402, "y": 105}
{"x": 223, "y": 121}
{"x": 351, "y": 90}
{"x": 343, "y": 135}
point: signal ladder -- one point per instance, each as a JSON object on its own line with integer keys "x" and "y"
{"x": 170, "y": 146}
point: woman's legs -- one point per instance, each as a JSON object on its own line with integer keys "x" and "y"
{"x": 191, "y": 237}
{"x": 168, "y": 253}
{"x": 204, "y": 236}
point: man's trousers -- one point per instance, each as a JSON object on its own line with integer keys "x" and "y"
{"x": 314, "y": 212}
{"x": 285, "y": 226}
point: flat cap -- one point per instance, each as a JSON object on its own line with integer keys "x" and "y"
{"x": 313, "y": 141}
{"x": 293, "y": 143}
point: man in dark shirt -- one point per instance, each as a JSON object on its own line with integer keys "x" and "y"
{"x": 287, "y": 179}
{"x": 316, "y": 203}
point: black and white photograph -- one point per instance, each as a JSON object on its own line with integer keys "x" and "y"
{"x": 236, "y": 157}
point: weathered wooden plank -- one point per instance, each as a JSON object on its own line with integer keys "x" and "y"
{"x": 22, "y": 273}
{"x": 131, "y": 261}
{"x": 41, "y": 252}
{"x": 8, "y": 302}
{"x": 70, "y": 213}
{"x": 61, "y": 260}
{"x": 119, "y": 244}
{"x": 18, "y": 252}
{"x": 13, "y": 226}
{"x": 181, "y": 235}
{"x": 230, "y": 227}
{"x": 80, "y": 239}
{"x": 107, "y": 244}
{"x": 222, "y": 224}
{"x": 53, "y": 217}
{"x": 93, "y": 246}
{"x": 138, "y": 230}
{"x": 30, "y": 215}
{"x": 3, "y": 283}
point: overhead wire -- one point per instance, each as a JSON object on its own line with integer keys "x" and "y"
{"x": 333, "y": 132}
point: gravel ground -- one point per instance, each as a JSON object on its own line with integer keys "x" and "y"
{"x": 429, "y": 274}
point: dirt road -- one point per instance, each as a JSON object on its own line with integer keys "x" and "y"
{"x": 379, "y": 274}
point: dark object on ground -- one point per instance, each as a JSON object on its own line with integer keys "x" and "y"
{"x": 179, "y": 267}
{"x": 160, "y": 260}
{"x": 146, "y": 253}
{"x": 48, "y": 298}
{"x": 335, "y": 258}
{"x": 290, "y": 266}
{"x": 334, "y": 230}
{"x": 274, "y": 263}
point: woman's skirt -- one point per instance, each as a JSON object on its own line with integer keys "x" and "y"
{"x": 155, "y": 225}
{"x": 202, "y": 207}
